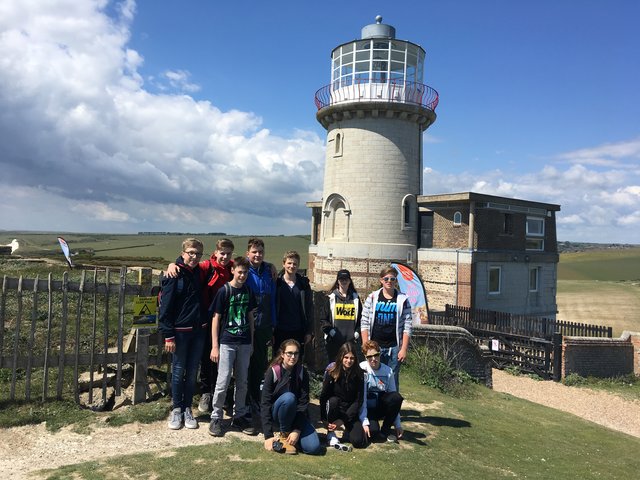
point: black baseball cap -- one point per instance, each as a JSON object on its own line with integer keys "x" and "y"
{"x": 343, "y": 274}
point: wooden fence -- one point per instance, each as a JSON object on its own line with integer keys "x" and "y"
{"x": 525, "y": 325}
{"x": 533, "y": 344}
{"x": 49, "y": 326}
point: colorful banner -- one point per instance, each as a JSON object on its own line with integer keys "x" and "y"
{"x": 65, "y": 250}
{"x": 411, "y": 285}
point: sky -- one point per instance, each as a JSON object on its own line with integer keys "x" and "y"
{"x": 199, "y": 116}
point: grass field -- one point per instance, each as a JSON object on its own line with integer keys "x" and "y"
{"x": 600, "y": 287}
{"x": 491, "y": 435}
{"x": 158, "y": 250}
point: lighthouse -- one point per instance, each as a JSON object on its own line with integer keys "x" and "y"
{"x": 375, "y": 110}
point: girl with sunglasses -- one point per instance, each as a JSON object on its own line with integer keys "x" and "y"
{"x": 386, "y": 318}
{"x": 342, "y": 398}
{"x": 382, "y": 400}
{"x": 285, "y": 398}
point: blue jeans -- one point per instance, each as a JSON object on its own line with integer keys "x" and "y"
{"x": 184, "y": 367}
{"x": 389, "y": 356}
{"x": 284, "y": 412}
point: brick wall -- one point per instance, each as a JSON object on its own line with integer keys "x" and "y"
{"x": 445, "y": 233}
{"x": 598, "y": 357}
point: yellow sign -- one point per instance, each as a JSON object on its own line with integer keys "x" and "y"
{"x": 145, "y": 310}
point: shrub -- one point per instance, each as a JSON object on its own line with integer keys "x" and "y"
{"x": 437, "y": 369}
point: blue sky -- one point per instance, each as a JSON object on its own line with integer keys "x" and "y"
{"x": 199, "y": 116}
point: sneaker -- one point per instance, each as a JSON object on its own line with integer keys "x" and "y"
{"x": 215, "y": 428}
{"x": 189, "y": 421}
{"x": 175, "y": 419}
{"x": 332, "y": 439}
{"x": 204, "y": 405}
{"x": 245, "y": 425}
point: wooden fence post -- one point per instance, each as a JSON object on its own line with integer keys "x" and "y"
{"x": 557, "y": 356}
{"x": 140, "y": 383}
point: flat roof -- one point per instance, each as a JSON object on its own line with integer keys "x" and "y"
{"x": 442, "y": 200}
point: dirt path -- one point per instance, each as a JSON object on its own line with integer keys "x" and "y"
{"x": 30, "y": 448}
{"x": 603, "y": 408}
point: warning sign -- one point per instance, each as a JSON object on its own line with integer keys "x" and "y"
{"x": 145, "y": 310}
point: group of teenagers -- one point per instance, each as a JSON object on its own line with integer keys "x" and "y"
{"x": 227, "y": 317}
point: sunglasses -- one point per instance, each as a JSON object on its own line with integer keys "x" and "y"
{"x": 389, "y": 279}
{"x": 342, "y": 447}
{"x": 375, "y": 355}
{"x": 292, "y": 354}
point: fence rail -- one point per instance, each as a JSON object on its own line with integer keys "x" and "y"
{"x": 533, "y": 344}
{"x": 49, "y": 328}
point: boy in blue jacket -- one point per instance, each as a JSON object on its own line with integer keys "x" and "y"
{"x": 184, "y": 328}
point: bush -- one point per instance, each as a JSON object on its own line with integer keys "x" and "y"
{"x": 437, "y": 369}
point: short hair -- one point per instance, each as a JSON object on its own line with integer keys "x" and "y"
{"x": 224, "y": 243}
{"x": 291, "y": 254}
{"x": 192, "y": 242}
{"x": 255, "y": 243}
{"x": 241, "y": 262}
{"x": 370, "y": 345}
{"x": 388, "y": 270}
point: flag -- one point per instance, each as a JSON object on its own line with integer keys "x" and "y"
{"x": 65, "y": 250}
{"x": 411, "y": 285}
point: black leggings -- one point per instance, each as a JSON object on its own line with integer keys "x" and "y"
{"x": 387, "y": 409}
{"x": 348, "y": 413}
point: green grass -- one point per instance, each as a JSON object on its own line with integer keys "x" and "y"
{"x": 610, "y": 264}
{"x": 490, "y": 436}
{"x": 144, "y": 250}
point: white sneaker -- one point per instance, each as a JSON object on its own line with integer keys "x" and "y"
{"x": 189, "y": 421}
{"x": 332, "y": 439}
{"x": 175, "y": 419}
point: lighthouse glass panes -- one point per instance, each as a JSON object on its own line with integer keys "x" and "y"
{"x": 377, "y": 61}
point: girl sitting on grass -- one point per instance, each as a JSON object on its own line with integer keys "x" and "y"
{"x": 342, "y": 397}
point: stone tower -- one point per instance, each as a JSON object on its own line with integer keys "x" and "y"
{"x": 375, "y": 110}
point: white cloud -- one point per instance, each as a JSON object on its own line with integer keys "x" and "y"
{"x": 79, "y": 132}
{"x": 597, "y": 205}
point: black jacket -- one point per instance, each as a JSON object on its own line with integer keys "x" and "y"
{"x": 349, "y": 390}
{"x": 306, "y": 301}
{"x": 180, "y": 302}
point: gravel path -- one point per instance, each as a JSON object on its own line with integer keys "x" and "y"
{"x": 600, "y": 407}
{"x": 29, "y": 448}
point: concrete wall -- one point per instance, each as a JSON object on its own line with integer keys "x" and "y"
{"x": 457, "y": 344}
{"x": 601, "y": 357}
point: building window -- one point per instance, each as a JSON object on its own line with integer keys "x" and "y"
{"x": 337, "y": 147}
{"x": 535, "y": 234}
{"x": 535, "y": 226}
{"x": 457, "y": 219}
{"x": 507, "y": 224}
{"x": 495, "y": 280}
{"x": 534, "y": 279}
{"x": 409, "y": 213}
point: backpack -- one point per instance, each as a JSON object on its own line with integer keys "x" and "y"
{"x": 277, "y": 374}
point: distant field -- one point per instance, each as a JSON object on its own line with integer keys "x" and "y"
{"x": 160, "y": 249}
{"x": 600, "y": 287}
{"x": 610, "y": 264}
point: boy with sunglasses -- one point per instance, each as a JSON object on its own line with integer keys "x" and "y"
{"x": 386, "y": 318}
{"x": 382, "y": 400}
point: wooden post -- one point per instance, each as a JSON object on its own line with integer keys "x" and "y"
{"x": 140, "y": 383}
{"x": 557, "y": 356}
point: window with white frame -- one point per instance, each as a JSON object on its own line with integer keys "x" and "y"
{"x": 495, "y": 280}
{"x": 457, "y": 219}
{"x": 534, "y": 279}
{"x": 535, "y": 234}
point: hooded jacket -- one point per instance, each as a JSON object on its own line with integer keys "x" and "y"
{"x": 403, "y": 315}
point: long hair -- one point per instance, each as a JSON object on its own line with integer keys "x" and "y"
{"x": 337, "y": 370}
{"x": 283, "y": 346}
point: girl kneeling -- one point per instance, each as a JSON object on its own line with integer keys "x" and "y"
{"x": 285, "y": 398}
